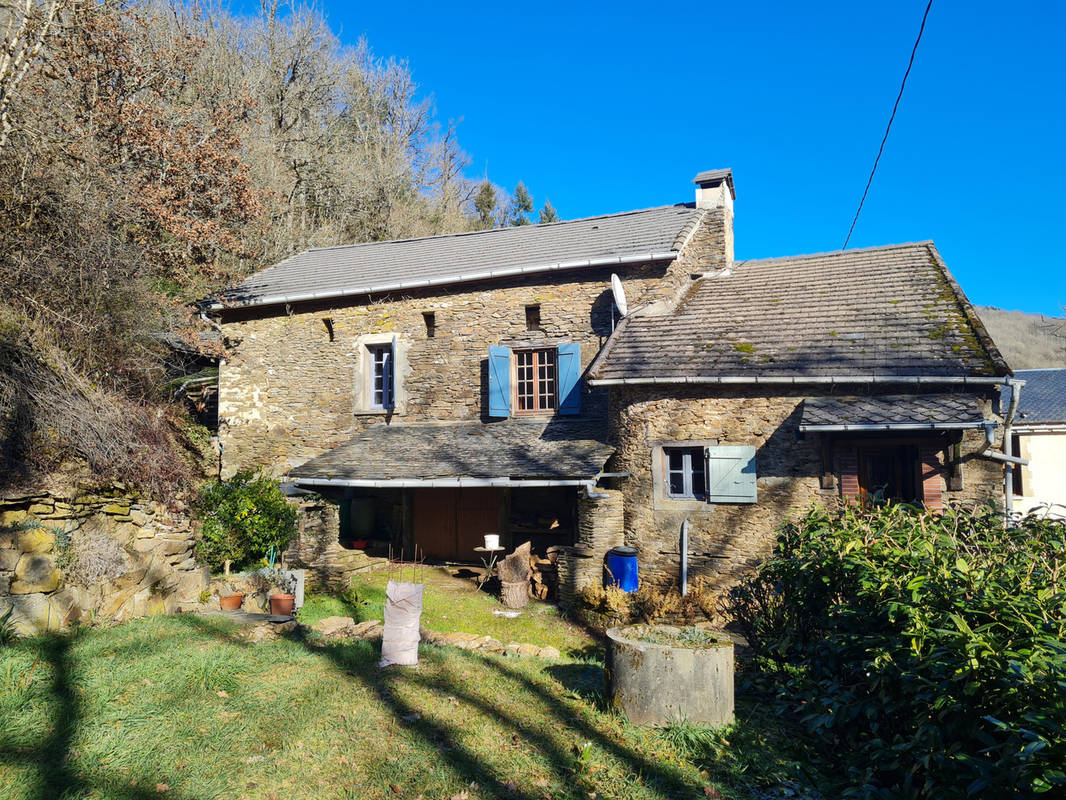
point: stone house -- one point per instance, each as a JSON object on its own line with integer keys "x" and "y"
{"x": 772, "y": 384}
{"x": 1039, "y": 437}
{"x": 440, "y": 388}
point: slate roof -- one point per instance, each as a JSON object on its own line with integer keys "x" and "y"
{"x": 514, "y": 449}
{"x": 880, "y": 312}
{"x": 898, "y": 412}
{"x": 1043, "y": 398}
{"x": 654, "y": 233}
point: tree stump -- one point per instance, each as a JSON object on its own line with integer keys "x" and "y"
{"x": 514, "y": 594}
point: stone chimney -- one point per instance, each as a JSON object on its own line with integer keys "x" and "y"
{"x": 715, "y": 192}
{"x": 714, "y": 189}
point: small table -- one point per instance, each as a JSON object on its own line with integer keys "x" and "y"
{"x": 489, "y": 560}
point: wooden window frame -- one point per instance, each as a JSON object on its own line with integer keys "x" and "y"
{"x": 544, "y": 402}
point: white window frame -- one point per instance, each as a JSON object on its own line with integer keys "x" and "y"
{"x": 381, "y": 368}
{"x": 693, "y": 463}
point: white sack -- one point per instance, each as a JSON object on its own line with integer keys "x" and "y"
{"x": 403, "y": 609}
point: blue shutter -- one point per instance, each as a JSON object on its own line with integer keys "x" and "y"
{"x": 392, "y": 378}
{"x": 499, "y": 381}
{"x": 731, "y": 474}
{"x": 569, "y": 378}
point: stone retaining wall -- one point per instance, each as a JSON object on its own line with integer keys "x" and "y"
{"x": 138, "y": 552}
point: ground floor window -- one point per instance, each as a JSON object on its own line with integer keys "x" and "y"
{"x": 882, "y": 470}
{"x": 686, "y": 473}
{"x": 889, "y": 473}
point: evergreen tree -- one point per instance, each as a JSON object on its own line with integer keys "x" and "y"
{"x": 548, "y": 213}
{"x": 521, "y": 205}
{"x": 485, "y": 205}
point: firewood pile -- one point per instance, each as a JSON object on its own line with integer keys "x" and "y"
{"x": 544, "y": 576}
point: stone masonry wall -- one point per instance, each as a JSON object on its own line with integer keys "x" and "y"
{"x": 600, "y": 527}
{"x": 728, "y": 540}
{"x": 146, "y": 547}
{"x": 290, "y": 388}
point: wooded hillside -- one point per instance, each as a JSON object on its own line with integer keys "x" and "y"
{"x": 152, "y": 152}
{"x": 1028, "y": 341}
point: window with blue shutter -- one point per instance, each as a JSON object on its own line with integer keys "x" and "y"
{"x": 499, "y": 381}
{"x": 569, "y": 378}
{"x": 731, "y": 474}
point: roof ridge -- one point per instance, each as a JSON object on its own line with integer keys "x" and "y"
{"x": 824, "y": 254}
{"x": 686, "y": 206}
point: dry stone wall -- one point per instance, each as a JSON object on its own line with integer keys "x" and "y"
{"x": 727, "y": 540}
{"x": 79, "y": 554}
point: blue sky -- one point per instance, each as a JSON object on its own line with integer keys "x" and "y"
{"x": 615, "y": 106}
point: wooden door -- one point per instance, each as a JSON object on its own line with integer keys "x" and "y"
{"x": 478, "y": 513}
{"x": 449, "y": 523}
{"x": 433, "y": 520}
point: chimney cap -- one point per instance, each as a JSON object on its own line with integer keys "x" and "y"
{"x": 714, "y": 177}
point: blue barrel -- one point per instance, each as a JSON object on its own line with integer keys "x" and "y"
{"x": 622, "y": 563}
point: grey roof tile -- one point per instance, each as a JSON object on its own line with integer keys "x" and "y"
{"x": 408, "y": 263}
{"x": 885, "y": 311}
{"x": 892, "y": 410}
{"x": 510, "y": 449}
{"x": 1043, "y": 398}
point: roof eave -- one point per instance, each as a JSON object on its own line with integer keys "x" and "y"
{"x": 507, "y": 272}
{"x": 799, "y": 380}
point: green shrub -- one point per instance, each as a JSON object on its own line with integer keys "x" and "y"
{"x": 928, "y": 652}
{"x": 242, "y": 518}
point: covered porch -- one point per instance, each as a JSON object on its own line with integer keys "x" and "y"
{"x": 436, "y": 489}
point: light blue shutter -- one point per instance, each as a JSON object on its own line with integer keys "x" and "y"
{"x": 731, "y": 474}
{"x": 569, "y": 378}
{"x": 499, "y": 381}
{"x": 391, "y": 380}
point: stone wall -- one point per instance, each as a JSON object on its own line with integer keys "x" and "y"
{"x": 139, "y": 552}
{"x": 290, "y": 388}
{"x": 727, "y": 540}
{"x": 600, "y": 527}
{"x": 316, "y": 549}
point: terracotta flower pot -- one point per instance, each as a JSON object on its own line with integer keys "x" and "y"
{"x": 281, "y": 604}
{"x": 232, "y": 602}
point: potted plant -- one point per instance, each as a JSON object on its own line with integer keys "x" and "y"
{"x": 280, "y": 586}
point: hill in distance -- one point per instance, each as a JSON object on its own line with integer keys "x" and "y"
{"x": 1027, "y": 341}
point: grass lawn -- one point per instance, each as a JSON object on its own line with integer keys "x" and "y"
{"x": 453, "y": 604}
{"x": 178, "y": 707}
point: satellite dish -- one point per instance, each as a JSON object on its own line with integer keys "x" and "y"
{"x": 619, "y": 295}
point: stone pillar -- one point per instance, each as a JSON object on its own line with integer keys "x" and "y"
{"x": 599, "y": 528}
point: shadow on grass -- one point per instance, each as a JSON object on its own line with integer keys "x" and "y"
{"x": 485, "y": 685}
{"x": 53, "y": 759}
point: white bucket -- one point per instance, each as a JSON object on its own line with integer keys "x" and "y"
{"x": 492, "y": 541}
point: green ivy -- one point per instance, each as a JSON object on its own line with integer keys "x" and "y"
{"x": 925, "y": 653}
{"x": 242, "y": 518}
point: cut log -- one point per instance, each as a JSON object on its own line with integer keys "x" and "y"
{"x": 514, "y": 594}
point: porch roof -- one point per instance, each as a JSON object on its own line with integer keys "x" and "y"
{"x": 512, "y": 452}
{"x": 892, "y": 412}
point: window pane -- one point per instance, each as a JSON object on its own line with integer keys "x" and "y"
{"x": 677, "y": 483}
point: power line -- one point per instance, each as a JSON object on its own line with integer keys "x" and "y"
{"x": 884, "y": 138}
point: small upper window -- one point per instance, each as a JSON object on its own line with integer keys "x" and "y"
{"x": 686, "y": 473}
{"x": 533, "y": 318}
{"x": 431, "y": 323}
{"x": 536, "y": 380}
{"x": 380, "y": 376}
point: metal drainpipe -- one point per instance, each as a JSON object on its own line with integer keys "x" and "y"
{"x": 684, "y": 558}
{"x": 1008, "y": 448}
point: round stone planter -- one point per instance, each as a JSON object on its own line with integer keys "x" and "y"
{"x": 658, "y": 676}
